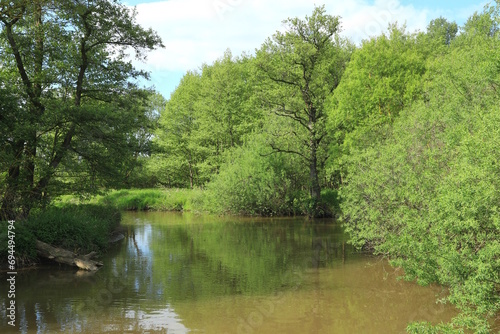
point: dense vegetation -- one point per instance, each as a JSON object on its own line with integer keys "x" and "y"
{"x": 398, "y": 135}
{"x": 79, "y": 228}
{"x": 427, "y": 193}
{"x": 72, "y": 117}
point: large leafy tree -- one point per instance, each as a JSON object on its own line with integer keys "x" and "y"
{"x": 442, "y": 31}
{"x": 300, "y": 68}
{"x": 175, "y": 163}
{"x": 383, "y": 77}
{"x": 76, "y": 106}
{"x": 210, "y": 112}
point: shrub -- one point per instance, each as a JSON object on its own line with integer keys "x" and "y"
{"x": 428, "y": 197}
{"x": 252, "y": 183}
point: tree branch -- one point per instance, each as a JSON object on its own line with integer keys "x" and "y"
{"x": 20, "y": 66}
{"x": 279, "y": 150}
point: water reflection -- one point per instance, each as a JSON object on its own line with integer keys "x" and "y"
{"x": 177, "y": 273}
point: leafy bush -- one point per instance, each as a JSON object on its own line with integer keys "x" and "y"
{"x": 253, "y": 183}
{"x": 428, "y": 197}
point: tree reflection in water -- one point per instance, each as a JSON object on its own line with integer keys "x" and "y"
{"x": 181, "y": 272}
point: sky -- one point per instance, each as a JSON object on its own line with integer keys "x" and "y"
{"x": 195, "y": 32}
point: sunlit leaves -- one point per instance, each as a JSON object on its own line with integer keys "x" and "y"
{"x": 426, "y": 195}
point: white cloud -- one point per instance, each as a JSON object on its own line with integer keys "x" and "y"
{"x": 198, "y": 31}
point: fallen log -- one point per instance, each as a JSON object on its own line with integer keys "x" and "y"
{"x": 67, "y": 257}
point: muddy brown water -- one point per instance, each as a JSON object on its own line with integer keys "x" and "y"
{"x": 183, "y": 273}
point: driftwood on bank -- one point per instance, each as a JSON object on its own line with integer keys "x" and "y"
{"x": 67, "y": 257}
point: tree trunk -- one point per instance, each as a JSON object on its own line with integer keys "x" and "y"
{"x": 29, "y": 171}
{"x": 313, "y": 178}
{"x": 313, "y": 157}
{"x": 67, "y": 257}
{"x": 9, "y": 200}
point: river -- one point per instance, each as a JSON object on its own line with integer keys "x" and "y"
{"x": 182, "y": 273}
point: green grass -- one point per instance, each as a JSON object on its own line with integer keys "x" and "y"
{"x": 25, "y": 251}
{"x": 153, "y": 199}
{"x": 195, "y": 200}
{"x": 80, "y": 228}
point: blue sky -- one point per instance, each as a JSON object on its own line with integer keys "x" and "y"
{"x": 199, "y": 31}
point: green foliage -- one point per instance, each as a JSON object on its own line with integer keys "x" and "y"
{"x": 427, "y": 195}
{"x": 442, "y": 31}
{"x": 153, "y": 199}
{"x": 427, "y": 328}
{"x": 209, "y": 113}
{"x": 80, "y": 228}
{"x": 383, "y": 77}
{"x": 299, "y": 69}
{"x": 254, "y": 181}
{"x": 73, "y": 117}
{"x": 24, "y": 244}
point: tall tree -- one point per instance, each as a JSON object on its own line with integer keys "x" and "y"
{"x": 176, "y": 161}
{"x": 384, "y": 76}
{"x": 68, "y": 59}
{"x": 209, "y": 113}
{"x": 442, "y": 30}
{"x": 301, "y": 68}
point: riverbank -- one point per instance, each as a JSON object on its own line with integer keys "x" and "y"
{"x": 206, "y": 201}
{"x": 85, "y": 226}
{"x": 82, "y": 229}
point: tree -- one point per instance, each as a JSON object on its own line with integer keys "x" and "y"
{"x": 209, "y": 113}
{"x": 178, "y": 155}
{"x": 383, "y": 77}
{"x": 301, "y": 68}
{"x": 442, "y": 30}
{"x": 137, "y": 173}
{"x": 76, "y": 101}
{"x": 252, "y": 182}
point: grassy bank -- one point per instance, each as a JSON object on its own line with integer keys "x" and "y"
{"x": 154, "y": 199}
{"x": 79, "y": 228}
{"x": 83, "y": 226}
{"x": 209, "y": 201}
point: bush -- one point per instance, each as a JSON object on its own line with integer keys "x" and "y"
{"x": 252, "y": 183}
{"x": 428, "y": 197}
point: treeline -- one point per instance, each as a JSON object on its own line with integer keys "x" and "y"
{"x": 402, "y": 131}
{"x": 252, "y": 130}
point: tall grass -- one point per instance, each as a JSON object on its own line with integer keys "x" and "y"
{"x": 214, "y": 200}
{"x": 79, "y": 228}
{"x": 154, "y": 199}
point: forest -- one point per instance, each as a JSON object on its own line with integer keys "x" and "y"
{"x": 396, "y": 137}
